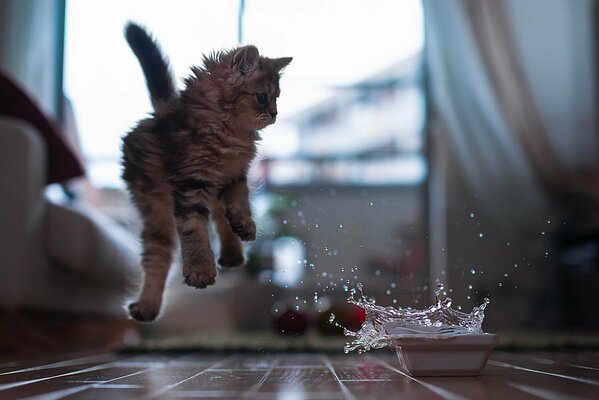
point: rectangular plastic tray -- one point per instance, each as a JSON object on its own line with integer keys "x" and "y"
{"x": 444, "y": 355}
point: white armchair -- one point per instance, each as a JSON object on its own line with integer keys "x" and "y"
{"x": 55, "y": 257}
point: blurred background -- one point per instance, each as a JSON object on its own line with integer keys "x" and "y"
{"x": 419, "y": 142}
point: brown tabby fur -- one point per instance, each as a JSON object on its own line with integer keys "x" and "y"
{"x": 189, "y": 161}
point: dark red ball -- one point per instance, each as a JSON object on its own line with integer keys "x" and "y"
{"x": 291, "y": 322}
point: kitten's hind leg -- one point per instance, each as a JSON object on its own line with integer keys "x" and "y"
{"x": 231, "y": 249}
{"x": 192, "y": 213}
{"x": 158, "y": 241}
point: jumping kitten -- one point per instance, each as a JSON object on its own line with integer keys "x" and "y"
{"x": 189, "y": 161}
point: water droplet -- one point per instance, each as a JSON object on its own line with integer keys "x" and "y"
{"x": 471, "y": 215}
{"x": 470, "y": 287}
{"x": 505, "y": 275}
{"x": 394, "y": 285}
{"x": 500, "y": 284}
{"x": 331, "y": 318}
{"x": 473, "y": 271}
{"x": 480, "y": 235}
{"x": 388, "y": 292}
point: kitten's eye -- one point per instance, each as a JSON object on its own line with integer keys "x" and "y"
{"x": 262, "y": 98}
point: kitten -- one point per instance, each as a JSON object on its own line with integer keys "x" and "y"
{"x": 188, "y": 161}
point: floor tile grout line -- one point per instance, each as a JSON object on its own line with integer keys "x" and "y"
{"x": 169, "y": 387}
{"x": 444, "y": 393}
{"x": 77, "y": 354}
{"x": 256, "y": 387}
{"x": 546, "y": 361}
{"x": 344, "y": 389}
{"x": 58, "y": 364}
{"x": 67, "y": 392}
{"x": 542, "y": 393}
{"x": 583, "y": 367}
{"x": 70, "y": 391}
{"x": 517, "y": 367}
{"x": 12, "y": 385}
{"x": 62, "y": 393}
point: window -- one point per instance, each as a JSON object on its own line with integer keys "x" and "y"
{"x": 348, "y": 57}
{"x": 342, "y": 173}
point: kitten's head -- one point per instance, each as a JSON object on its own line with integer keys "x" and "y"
{"x": 242, "y": 84}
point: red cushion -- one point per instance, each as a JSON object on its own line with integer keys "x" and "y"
{"x": 62, "y": 163}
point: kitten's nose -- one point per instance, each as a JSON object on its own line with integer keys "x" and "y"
{"x": 273, "y": 113}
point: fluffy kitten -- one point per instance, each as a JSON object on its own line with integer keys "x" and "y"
{"x": 189, "y": 161}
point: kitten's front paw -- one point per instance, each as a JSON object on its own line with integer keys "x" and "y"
{"x": 200, "y": 278}
{"x": 243, "y": 225}
{"x": 143, "y": 312}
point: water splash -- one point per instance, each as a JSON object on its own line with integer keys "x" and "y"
{"x": 383, "y": 322}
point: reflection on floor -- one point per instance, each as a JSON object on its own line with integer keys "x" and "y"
{"x": 549, "y": 375}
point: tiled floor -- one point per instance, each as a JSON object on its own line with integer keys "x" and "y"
{"x": 551, "y": 376}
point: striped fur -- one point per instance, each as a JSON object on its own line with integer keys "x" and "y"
{"x": 188, "y": 162}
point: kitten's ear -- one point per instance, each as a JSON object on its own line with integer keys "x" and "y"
{"x": 245, "y": 59}
{"x": 280, "y": 63}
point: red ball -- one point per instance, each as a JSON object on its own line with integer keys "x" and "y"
{"x": 359, "y": 316}
{"x": 291, "y": 322}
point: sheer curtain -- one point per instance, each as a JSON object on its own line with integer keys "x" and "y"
{"x": 512, "y": 85}
{"x": 31, "y": 42}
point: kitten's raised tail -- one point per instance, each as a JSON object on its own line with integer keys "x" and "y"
{"x": 153, "y": 63}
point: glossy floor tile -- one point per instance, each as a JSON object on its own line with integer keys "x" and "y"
{"x": 549, "y": 375}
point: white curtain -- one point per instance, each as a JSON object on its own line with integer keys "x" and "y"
{"x": 512, "y": 85}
